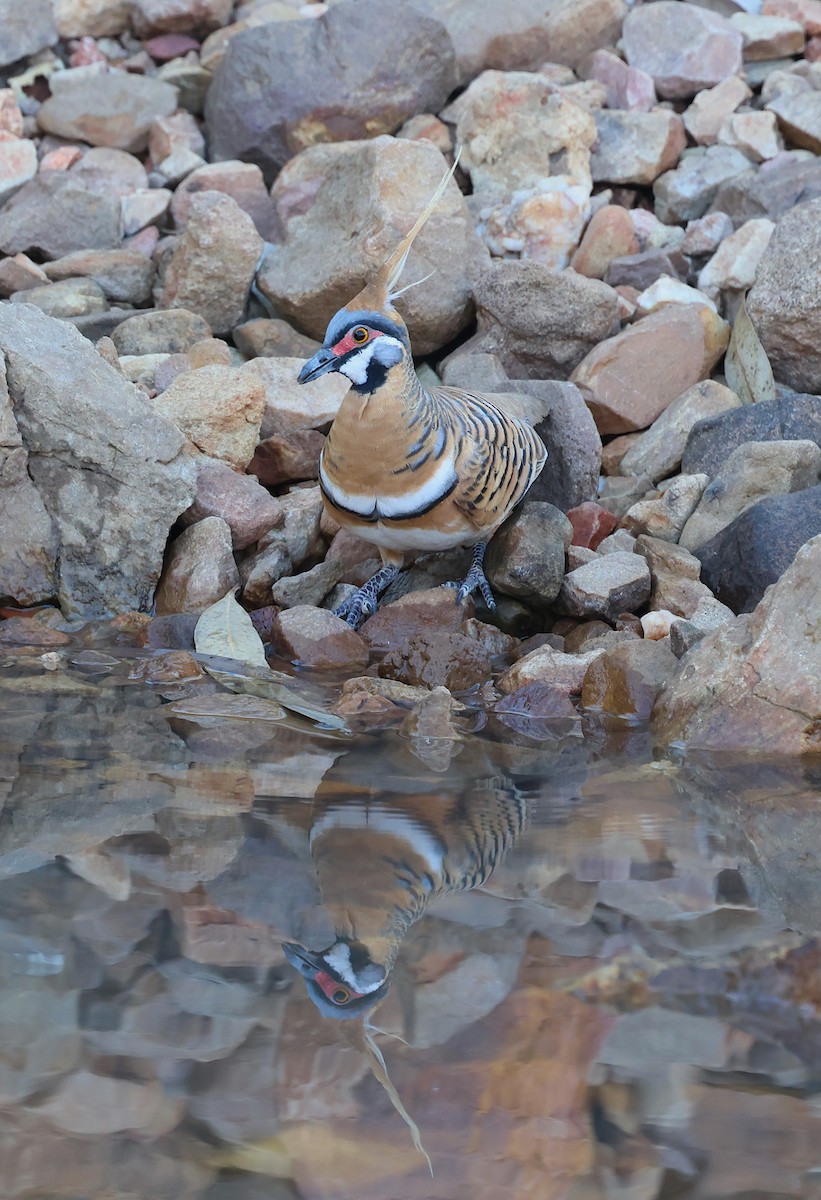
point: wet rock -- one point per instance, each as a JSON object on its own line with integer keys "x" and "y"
{"x": 591, "y": 635}
{"x": 70, "y": 298}
{"x": 753, "y": 133}
{"x": 636, "y": 147}
{"x": 18, "y": 164}
{"x": 434, "y": 735}
{"x": 200, "y": 568}
{"x": 756, "y": 549}
{"x": 153, "y": 17}
{"x": 361, "y": 198}
{"x": 753, "y": 471}
{"x": 295, "y": 456}
{"x": 796, "y": 102}
{"x": 658, "y": 452}
{"x": 247, "y": 508}
{"x": 113, "y": 108}
{"x": 288, "y": 405}
{"x": 537, "y": 710}
{"x": 612, "y": 584}
{"x": 627, "y": 87}
{"x": 526, "y": 557}
{"x": 689, "y": 190}
{"x": 85, "y": 1103}
{"x": 123, "y": 275}
{"x": 260, "y": 109}
{"x": 51, "y": 216}
{"x": 434, "y": 610}
{"x": 210, "y": 268}
{"x": 111, "y": 473}
{"x": 785, "y": 301}
{"x": 538, "y": 322}
{"x": 610, "y": 234}
{"x": 784, "y": 419}
{"x": 241, "y": 181}
{"x": 625, "y": 681}
{"x": 665, "y": 517}
{"x": 711, "y": 108}
{"x": 25, "y": 30}
{"x": 771, "y": 189}
{"x": 674, "y": 573}
{"x": 591, "y": 524}
{"x": 262, "y": 337}
{"x": 171, "y": 331}
{"x": 546, "y": 665}
{"x": 755, "y": 682}
{"x": 313, "y": 637}
{"x": 630, "y": 379}
{"x": 735, "y": 263}
{"x": 437, "y": 659}
{"x": 219, "y": 409}
{"x": 685, "y": 49}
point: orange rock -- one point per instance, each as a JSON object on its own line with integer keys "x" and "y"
{"x": 610, "y": 234}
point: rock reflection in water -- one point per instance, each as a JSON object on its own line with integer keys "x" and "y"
{"x": 626, "y": 1006}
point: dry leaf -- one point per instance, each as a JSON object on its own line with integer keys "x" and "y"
{"x": 746, "y": 365}
{"x": 226, "y": 704}
{"x": 226, "y": 631}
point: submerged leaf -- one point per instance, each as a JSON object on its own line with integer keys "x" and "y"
{"x": 226, "y": 704}
{"x": 226, "y": 630}
{"x": 276, "y": 686}
{"x": 746, "y": 365}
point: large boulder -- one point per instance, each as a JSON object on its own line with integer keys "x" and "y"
{"x": 344, "y": 209}
{"x": 360, "y": 69}
{"x": 755, "y": 684}
{"x": 112, "y": 476}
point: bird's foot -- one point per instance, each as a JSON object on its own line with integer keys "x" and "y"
{"x": 364, "y": 602}
{"x": 475, "y": 580}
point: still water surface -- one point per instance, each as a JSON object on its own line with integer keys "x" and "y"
{"x": 624, "y": 1004}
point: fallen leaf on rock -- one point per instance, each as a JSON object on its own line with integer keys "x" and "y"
{"x": 746, "y": 365}
{"x": 223, "y": 705}
{"x": 226, "y": 631}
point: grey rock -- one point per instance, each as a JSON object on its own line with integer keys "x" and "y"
{"x": 643, "y": 269}
{"x": 683, "y": 636}
{"x": 112, "y": 475}
{"x": 200, "y": 569}
{"x": 674, "y": 573}
{"x": 361, "y": 69}
{"x": 684, "y": 48}
{"x": 52, "y": 216}
{"x": 618, "y": 493}
{"x": 25, "y": 29}
{"x": 114, "y": 108}
{"x": 606, "y": 587}
{"x": 785, "y": 419}
{"x": 658, "y": 452}
{"x": 123, "y": 275}
{"x": 69, "y": 298}
{"x": 526, "y": 557}
{"x": 171, "y": 331}
{"x": 636, "y": 147}
{"x": 770, "y": 190}
{"x": 261, "y": 569}
{"x": 665, "y": 516}
{"x": 311, "y": 587}
{"x": 688, "y": 191}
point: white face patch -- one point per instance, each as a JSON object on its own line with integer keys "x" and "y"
{"x": 339, "y": 960}
{"x": 384, "y": 349}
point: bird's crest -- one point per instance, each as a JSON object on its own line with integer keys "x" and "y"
{"x": 381, "y": 291}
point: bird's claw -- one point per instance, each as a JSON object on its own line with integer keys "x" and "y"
{"x": 474, "y": 581}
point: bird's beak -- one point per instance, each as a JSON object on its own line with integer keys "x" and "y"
{"x": 321, "y": 363}
{"x": 307, "y": 964}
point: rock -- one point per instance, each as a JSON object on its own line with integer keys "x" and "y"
{"x": 609, "y": 585}
{"x": 563, "y": 672}
{"x": 658, "y": 452}
{"x": 303, "y": 508}
{"x": 344, "y": 209}
{"x": 264, "y": 338}
{"x": 109, "y": 172}
{"x": 665, "y": 517}
{"x": 627, "y": 87}
{"x": 246, "y": 507}
{"x": 211, "y": 266}
{"x": 18, "y": 164}
{"x": 92, "y": 18}
{"x": 84, "y": 1103}
{"x": 219, "y": 409}
{"x": 526, "y": 557}
{"x": 540, "y": 323}
{"x": 310, "y": 587}
{"x": 200, "y": 568}
{"x": 25, "y": 30}
{"x": 674, "y": 573}
{"x": 572, "y": 441}
{"x": 667, "y": 290}
{"x": 160, "y": 332}
{"x": 112, "y": 108}
{"x": 625, "y": 681}
{"x": 152, "y": 17}
{"x": 785, "y": 419}
{"x": 289, "y": 406}
{"x": 52, "y": 216}
{"x": 312, "y": 637}
{"x": 705, "y": 234}
{"x": 685, "y": 49}
{"x": 11, "y": 118}
{"x": 754, "y": 684}
{"x": 753, "y": 133}
{"x": 711, "y": 108}
{"x": 768, "y": 37}
{"x": 292, "y": 457}
{"x": 636, "y": 147}
{"x": 428, "y": 128}
{"x": 621, "y": 540}
{"x": 241, "y": 181}
{"x": 591, "y": 524}
{"x": 630, "y": 379}
{"x": 656, "y": 625}
{"x": 806, "y": 12}
{"x": 689, "y": 190}
{"x": 785, "y": 300}
{"x": 18, "y": 274}
{"x": 260, "y": 569}
{"x": 123, "y": 275}
{"x": 796, "y": 102}
{"x": 286, "y": 86}
{"x": 416, "y": 614}
{"x": 70, "y": 298}
{"x": 752, "y": 472}
{"x": 640, "y": 271}
{"x": 438, "y": 659}
{"x": 771, "y": 189}
{"x": 735, "y": 264}
{"x": 609, "y": 235}
{"x": 618, "y": 493}
{"x": 110, "y": 472}
{"x": 179, "y": 131}
{"x": 143, "y": 208}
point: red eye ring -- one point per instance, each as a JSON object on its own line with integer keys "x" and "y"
{"x": 360, "y": 335}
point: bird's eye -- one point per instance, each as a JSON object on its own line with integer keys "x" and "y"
{"x": 341, "y": 996}
{"x": 360, "y": 334}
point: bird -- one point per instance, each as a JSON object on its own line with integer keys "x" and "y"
{"x": 409, "y": 468}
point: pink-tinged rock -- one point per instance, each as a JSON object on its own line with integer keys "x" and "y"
{"x": 543, "y": 225}
{"x": 711, "y": 108}
{"x": 219, "y": 409}
{"x": 143, "y": 208}
{"x": 100, "y": 1105}
{"x": 768, "y": 36}
{"x": 416, "y": 613}
{"x": 427, "y": 127}
{"x": 241, "y": 181}
{"x": 628, "y": 380}
{"x": 796, "y": 101}
{"x": 591, "y": 524}
{"x": 144, "y": 241}
{"x": 112, "y": 109}
{"x": 705, "y": 234}
{"x": 438, "y": 659}
{"x": 154, "y": 17}
{"x": 314, "y": 637}
{"x": 289, "y": 458}
{"x": 812, "y": 51}
{"x": 107, "y": 171}
{"x": 170, "y": 45}
{"x": 564, "y": 672}
{"x": 606, "y": 587}
{"x": 625, "y": 681}
{"x": 609, "y": 235}
{"x": 11, "y": 118}
{"x": 87, "y": 52}
{"x": 684, "y": 48}
{"x": 247, "y": 508}
{"x": 168, "y": 134}
{"x": 62, "y": 158}
{"x": 636, "y": 147}
{"x": 627, "y": 87}
{"x": 97, "y": 18}
{"x": 754, "y": 134}
{"x": 806, "y": 12}
{"x": 18, "y": 164}
{"x": 19, "y": 274}
{"x": 735, "y": 263}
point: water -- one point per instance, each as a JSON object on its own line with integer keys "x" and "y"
{"x": 625, "y": 1005}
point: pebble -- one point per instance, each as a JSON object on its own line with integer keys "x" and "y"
{"x": 705, "y": 234}
{"x": 123, "y": 275}
{"x": 591, "y": 524}
{"x": 52, "y": 215}
{"x": 688, "y": 191}
{"x": 239, "y": 500}
{"x": 68, "y": 298}
{"x": 431, "y": 610}
{"x": 627, "y": 87}
{"x": 609, "y": 234}
{"x": 264, "y": 337}
{"x": 767, "y": 36}
{"x": 753, "y": 133}
{"x": 288, "y": 405}
{"x": 243, "y": 182}
{"x": 18, "y": 273}
{"x": 26, "y": 30}
{"x": 438, "y": 659}
{"x": 18, "y": 164}
{"x": 287, "y": 459}
{"x": 159, "y": 331}
{"x": 666, "y": 516}
{"x": 796, "y": 102}
{"x": 609, "y": 585}
{"x": 674, "y": 573}
{"x": 546, "y": 665}
{"x": 625, "y": 681}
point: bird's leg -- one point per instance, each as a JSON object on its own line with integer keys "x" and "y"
{"x": 475, "y": 580}
{"x": 364, "y": 602}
